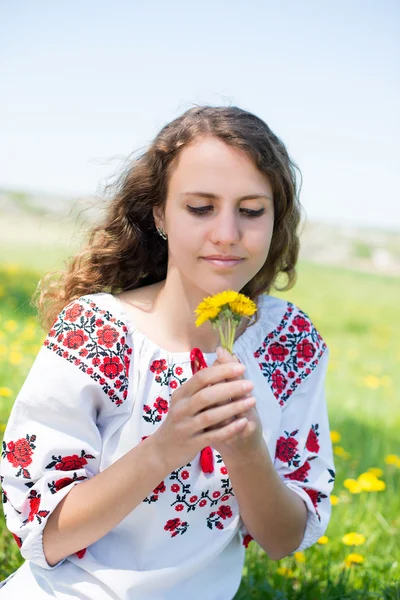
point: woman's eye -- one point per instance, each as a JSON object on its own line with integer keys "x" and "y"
{"x": 202, "y": 210}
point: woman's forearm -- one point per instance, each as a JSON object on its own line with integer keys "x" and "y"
{"x": 94, "y": 507}
{"x": 274, "y": 515}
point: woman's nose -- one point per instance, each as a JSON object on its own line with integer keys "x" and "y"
{"x": 226, "y": 229}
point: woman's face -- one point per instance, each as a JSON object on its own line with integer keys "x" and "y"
{"x": 224, "y": 182}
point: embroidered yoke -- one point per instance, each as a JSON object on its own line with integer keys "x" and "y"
{"x": 97, "y": 388}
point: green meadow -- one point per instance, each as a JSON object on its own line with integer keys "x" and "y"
{"x": 357, "y": 315}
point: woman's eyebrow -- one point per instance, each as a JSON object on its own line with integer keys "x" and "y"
{"x": 215, "y": 197}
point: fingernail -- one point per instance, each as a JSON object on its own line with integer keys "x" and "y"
{"x": 220, "y": 352}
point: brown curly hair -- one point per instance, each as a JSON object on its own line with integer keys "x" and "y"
{"x": 124, "y": 251}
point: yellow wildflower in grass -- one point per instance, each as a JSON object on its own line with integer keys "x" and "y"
{"x": 225, "y": 310}
{"x": 353, "y": 486}
{"x": 5, "y": 392}
{"x": 323, "y": 540}
{"x": 353, "y": 539}
{"x": 285, "y": 572}
{"x": 376, "y": 471}
{"x": 334, "y": 499}
{"x": 299, "y": 557}
{"x": 372, "y": 382}
{"x": 392, "y": 459}
{"x": 353, "y": 559}
{"x": 2, "y": 427}
{"x": 11, "y": 269}
{"x": 339, "y": 451}
{"x": 335, "y": 437}
{"x": 370, "y": 483}
{"x": 15, "y": 358}
{"x": 11, "y": 326}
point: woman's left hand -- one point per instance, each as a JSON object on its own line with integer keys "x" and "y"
{"x": 249, "y": 437}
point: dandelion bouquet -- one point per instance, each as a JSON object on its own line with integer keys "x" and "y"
{"x": 225, "y": 310}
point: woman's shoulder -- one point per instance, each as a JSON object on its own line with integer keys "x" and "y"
{"x": 91, "y": 335}
{"x": 284, "y": 328}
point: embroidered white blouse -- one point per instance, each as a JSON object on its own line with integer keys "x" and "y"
{"x": 97, "y": 387}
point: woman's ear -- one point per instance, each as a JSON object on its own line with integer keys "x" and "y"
{"x": 158, "y": 217}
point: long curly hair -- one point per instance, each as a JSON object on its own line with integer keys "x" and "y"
{"x": 125, "y": 252}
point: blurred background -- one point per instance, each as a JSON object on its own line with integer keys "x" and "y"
{"x": 83, "y": 85}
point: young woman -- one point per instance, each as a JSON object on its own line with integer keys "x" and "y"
{"x": 103, "y": 485}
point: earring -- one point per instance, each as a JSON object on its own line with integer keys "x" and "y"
{"x": 162, "y": 233}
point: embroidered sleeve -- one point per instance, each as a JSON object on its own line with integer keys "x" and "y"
{"x": 293, "y": 358}
{"x": 304, "y": 457}
{"x": 52, "y": 441}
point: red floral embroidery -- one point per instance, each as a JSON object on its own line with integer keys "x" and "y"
{"x": 176, "y": 526}
{"x": 224, "y": 512}
{"x": 81, "y": 553}
{"x": 301, "y": 473}
{"x": 312, "y": 443}
{"x": 73, "y": 313}
{"x": 164, "y": 373}
{"x": 19, "y": 454}
{"x": 34, "y": 504}
{"x": 69, "y": 463}
{"x": 74, "y": 339}
{"x": 56, "y": 486}
{"x": 108, "y": 336}
{"x": 288, "y": 358}
{"x": 160, "y": 407}
{"x": 316, "y": 498}
{"x": 81, "y": 334}
{"x": 287, "y": 449}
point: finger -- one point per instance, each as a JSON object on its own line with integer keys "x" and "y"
{"x": 219, "y": 394}
{"x": 216, "y": 416}
{"x": 222, "y": 434}
{"x": 212, "y": 375}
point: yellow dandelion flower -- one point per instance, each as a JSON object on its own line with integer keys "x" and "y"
{"x": 353, "y": 539}
{"x": 334, "y": 499}
{"x": 285, "y": 572}
{"x": 323, "y": 540}
{"x": 206, "y": 314}
{"x": 299, "y": 557}
{"x": 353, "y": 486}
{"x": 392, "y": 459}
{"x": 15, "y": 358}
{"x": 10, "y": 326}
{"x": 372, "y": 382}
{"x": 353, "y": 559}
{"x": 378, "y": 486}
{"x": 225, "y": 311}
{"x": 370, "y": 483}
{"x": 335, "y": 437}
{"x": 2, "y": 427}
{"x": 5, "y": 392}
{"x": 11, "y": 269}
{"x": 376, "y": 471}
{"x": 339, "y": 451}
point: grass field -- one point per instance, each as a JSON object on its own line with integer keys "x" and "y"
{"x": 357, "y": 315}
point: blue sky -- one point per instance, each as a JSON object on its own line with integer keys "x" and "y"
{"x": 84, "y": 84}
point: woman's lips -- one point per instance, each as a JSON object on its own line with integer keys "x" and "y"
{"x": 223, "y": 263}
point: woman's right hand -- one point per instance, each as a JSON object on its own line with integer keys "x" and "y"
{"x": 199, "y": 404}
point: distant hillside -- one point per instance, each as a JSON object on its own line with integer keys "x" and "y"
{"x": 360, "y": 248}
